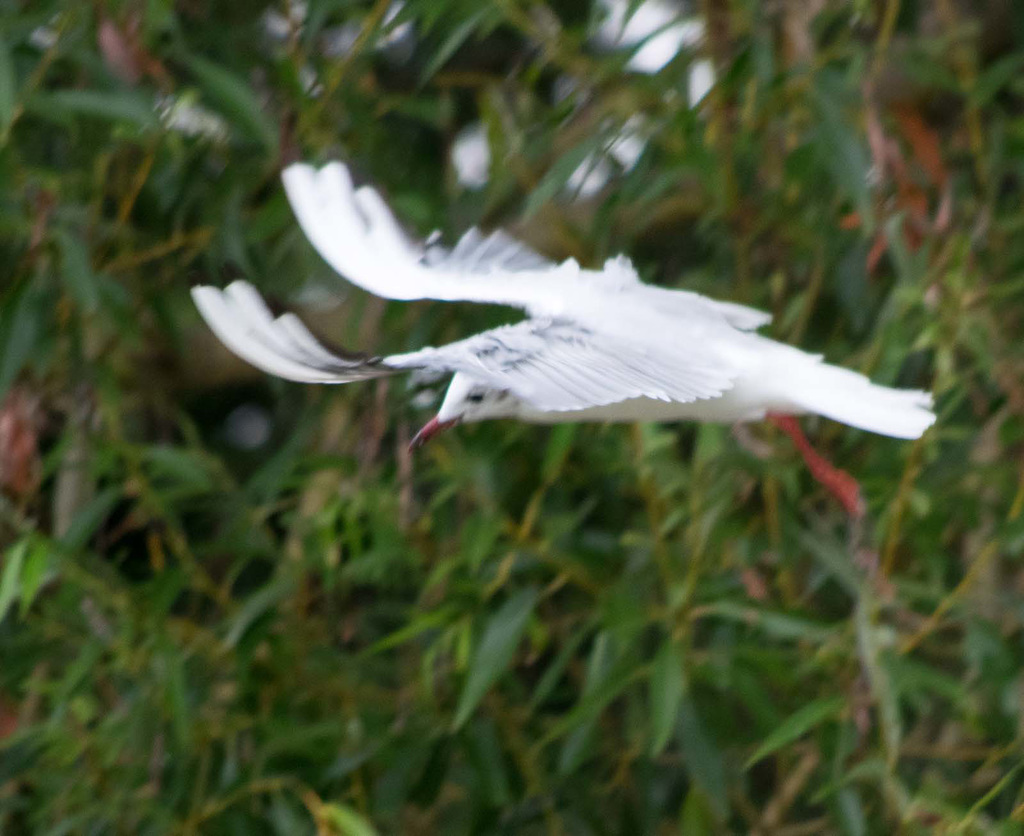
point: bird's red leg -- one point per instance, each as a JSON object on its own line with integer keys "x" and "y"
{"x": 838, "y": 482}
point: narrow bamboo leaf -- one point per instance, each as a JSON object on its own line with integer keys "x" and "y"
{"x": 996, "y": 77}
{"x": 451, "y": 44}
{"x": 851, "y": 812}
{"x": 559, "y": 173}
{"x": 559, "y": 445}
{"x": 342, "y": 820}
{"x": 38, "y": 569}
{"x": 834, "y": 559}
{"x": 121, "y": 106}
{"x": 871, "y": 649}
{"x": 495, "y": 651}
{"x": 697, "y": 817}
{"x": 665, "y": 691}
{"x": 609, "y": 672}
{"x": 174, "y": 678}
{"x": 76, "y": 270}
{"x": 20, "y": 334}
{"x": 779, "y": 625}
{"x": 236, "y": 101}
{"x": 840, "y": 146}
{"x": 8, "y": 89}
{"x": 489, "y": 761}
{"x": 910, "y": 264}
{"x": 480, "y": 534}
{"x": 575, "y": 749}
{"x": 613, "y": 682}
{"x": 180, "y": 467}
{"x": 556, "y": 669}
{"x": 427, "y": 621}
{"x": 797, "y": 725}
{"x": 10, "y": 576}
{"x": 89, "y": 518}
{"x": 704, "y": 760}
{"x": 257, "y": 605}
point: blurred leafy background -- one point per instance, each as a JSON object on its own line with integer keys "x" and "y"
{"x": 232, "y": 605}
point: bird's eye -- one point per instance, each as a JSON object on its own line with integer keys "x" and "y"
{"x": 476, "y": 397}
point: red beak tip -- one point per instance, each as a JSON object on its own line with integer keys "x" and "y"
{"x": 428, "y": 431}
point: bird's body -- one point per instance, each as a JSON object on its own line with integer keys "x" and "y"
{"x": 597, "y": 345}
{"x": 774, "y": 379}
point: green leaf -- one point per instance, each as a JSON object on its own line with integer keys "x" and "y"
{"x": 122, "y": 106}
{"x": 600, "y": 663}
{"x": 417, "y": 626}
{"x": 798, "y": 724}
{"x": 704, "y": 760}
{"x": 609, "y": 673}
{"x": 89, "y": 518}
{"x": 76, "y": 270}
{"x": 557, "y": 451}
{"x": 236, "y": 101}
{"x": 451, "y": 44}
{"x": 559, "y": 173}
{"x": 556, "y": 670}
{"x": 494, "y": 653}
{"x": 38, "y": 569}
{"x": 20, "y": 334}
{"x": 995, "y": 77}
{"x": 8, "y": 90}
{"x": 344, "y": 821}
{"x": 259, "y": 603}
{"x": 834, "y": 559}
{"x": 697, "y": 817}
{"x": 851, "y": 812}
{"x": 10, "y": 577}
{"x": 665, "y": 692}
{"x": 485, "y": 752}
{"x": 840, "y": 146}
{"x": 873, "y": 648}
{"x": 23, "y": 571}
{"x": 778, "y": 625}
{"x": 179, "y": 467}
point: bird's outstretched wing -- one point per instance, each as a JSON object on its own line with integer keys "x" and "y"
{"x": 554, "y": 365}
{"x": 281, "y": 346}
{"x": 558, "y": 365}
{"x": 355, "y": 232}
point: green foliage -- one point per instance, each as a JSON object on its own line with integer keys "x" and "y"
{"x": 234, "y": 605}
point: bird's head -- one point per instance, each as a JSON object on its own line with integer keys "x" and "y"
{"x": 464, "y": 402}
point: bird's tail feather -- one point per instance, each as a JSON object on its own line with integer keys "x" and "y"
{"x": 850, "y": 398}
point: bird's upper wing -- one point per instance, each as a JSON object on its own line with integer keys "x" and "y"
{"x": 554, "y": 365}
{"x": 356, "y": 233}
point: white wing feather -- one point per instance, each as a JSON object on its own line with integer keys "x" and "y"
{"x": 556, "y": 365}
{"x": 552, "y": 365}
{"x": 281, "y": 346}
{"x": 356, "y": 233}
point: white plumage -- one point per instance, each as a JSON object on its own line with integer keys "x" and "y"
{"x": 597, "y": 344}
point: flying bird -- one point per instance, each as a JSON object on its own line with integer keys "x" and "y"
{"x": 597, "y": 344}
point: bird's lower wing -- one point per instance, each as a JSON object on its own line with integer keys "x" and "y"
{"x": 558, "y": 365}
{"x": 554, "y": 365}
{"x": 282, "y": 345}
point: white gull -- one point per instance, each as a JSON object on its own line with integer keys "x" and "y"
{"x": 598, "y": 345}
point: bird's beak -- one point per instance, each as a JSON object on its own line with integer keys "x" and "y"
{"x": 429, "y": 430}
